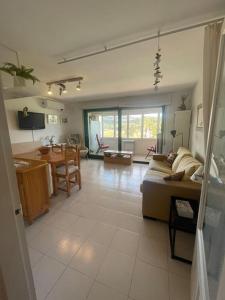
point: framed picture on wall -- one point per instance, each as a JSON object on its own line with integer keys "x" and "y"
{"x": 64, "y": 120}
{"x": 200, "y": 116}
{"x": 52, "y": 119}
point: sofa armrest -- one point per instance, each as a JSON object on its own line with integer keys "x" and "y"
{"x": 157, "y": 194}
{"x": 176, "y": 186}
{"x": 159, "y": 157}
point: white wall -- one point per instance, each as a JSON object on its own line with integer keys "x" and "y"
{"x": 197, "y": 134}
{"x": 18, "y": 136}
{"x": 170, "y": 100}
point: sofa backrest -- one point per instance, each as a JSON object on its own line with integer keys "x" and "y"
{"x": 189, "y": 165}
{"x": 182, "y": 152}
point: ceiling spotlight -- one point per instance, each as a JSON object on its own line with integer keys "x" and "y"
{"x": 78, "y": 87}
{"x": 61, "y": 84}
{"x": 64, "y": 90}
{"x": 49, "y": 90}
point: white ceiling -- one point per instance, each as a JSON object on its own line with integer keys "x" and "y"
{"x": 45, "y": 31}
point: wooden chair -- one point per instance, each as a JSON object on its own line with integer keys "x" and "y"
{"x": 57, "y": 148}
{"x": 101, "y": 146}
{"x": 69, "y": 172}
{"x": 150, "y": 149}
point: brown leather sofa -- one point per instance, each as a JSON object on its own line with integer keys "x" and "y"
{"x": 157, "y": 192}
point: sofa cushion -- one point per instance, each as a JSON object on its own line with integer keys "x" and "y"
{"x": 175, "y": 177}
{"x": 152, "y": 175}
{"x": 182, "y": 152}
{"x": 161, "y": 166}
{"x": 189, "y": 165}
{"x": 171, "y": 157}
{"x": 62, "y": 170}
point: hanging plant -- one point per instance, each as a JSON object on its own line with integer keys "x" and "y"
{"x": 22, "y": 71}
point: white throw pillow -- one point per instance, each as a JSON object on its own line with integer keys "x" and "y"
{"x": 198, "y": 175}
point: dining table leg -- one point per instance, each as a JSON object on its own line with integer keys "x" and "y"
{"x": 54, "y": 183}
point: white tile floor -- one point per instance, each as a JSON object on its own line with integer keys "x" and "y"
{"x": 96, "y": 246}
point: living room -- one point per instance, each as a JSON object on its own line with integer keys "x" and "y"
{"x": 104, "y": 152}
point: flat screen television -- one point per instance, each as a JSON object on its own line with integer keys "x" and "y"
{"x": 32, "y": 121}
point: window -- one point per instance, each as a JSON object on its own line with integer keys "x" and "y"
{"x": 116, "y": 126}
{"x": 135, "y": 126}
{"x": 124, "y": 126}
{"x": 144, "y": 125}
{"x": 108, "y": 126}
{"x": 150, "y": 125}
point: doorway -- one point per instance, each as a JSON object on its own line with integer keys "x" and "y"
{"x": 101, "y": 128}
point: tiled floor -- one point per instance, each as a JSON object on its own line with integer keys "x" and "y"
{"x": 96, "y": 246}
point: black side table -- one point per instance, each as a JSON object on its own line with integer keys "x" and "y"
{"x": 180, "y": 223}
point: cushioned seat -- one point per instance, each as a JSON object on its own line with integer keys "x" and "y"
{"x": 189, "y": 165}
{"x": 62, "y": 170}
{"x": 182, "y": 152}
{"x": 154, "y": 174}
{"x": 157, "y": 191}
{"x": 161, "y": 166}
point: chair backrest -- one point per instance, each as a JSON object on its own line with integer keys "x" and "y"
{"x": 98, "y": 140}
{"x": 57, "y": 148}
{"x": 75, "y": 139}
{"x": 72, "y": 156}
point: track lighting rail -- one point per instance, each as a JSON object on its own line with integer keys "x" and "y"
{"x": 62, "y": 81}
{"x": 148, "y": 38}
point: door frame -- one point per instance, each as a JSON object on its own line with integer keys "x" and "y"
{"x": 16, "y": 275}
{"x": 86, "y": 133}
{"x": 119, "y": 112}
{"x": 199, "y": 289}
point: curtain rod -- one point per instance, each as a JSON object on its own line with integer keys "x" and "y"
{"x": 148, "y": 38}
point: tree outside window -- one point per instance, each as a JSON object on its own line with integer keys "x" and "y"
{"x": 124, "y": 126}
{"x": 108, "y": 126}
{"x": 150, "y": 125}
{"x": 135, "y": 126}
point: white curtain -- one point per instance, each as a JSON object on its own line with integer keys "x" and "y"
{"x": 211, "y": 48}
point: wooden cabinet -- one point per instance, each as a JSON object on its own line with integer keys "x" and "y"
{"x": 33, "y": 188}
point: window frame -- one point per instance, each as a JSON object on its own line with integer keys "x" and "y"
{"x": 113, "y": 114}
{"x": 127, "y": 114}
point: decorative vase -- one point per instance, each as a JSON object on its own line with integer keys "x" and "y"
{"x": 183, "y": 106}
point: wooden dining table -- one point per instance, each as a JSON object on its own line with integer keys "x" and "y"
{"x": 54, "y": 158}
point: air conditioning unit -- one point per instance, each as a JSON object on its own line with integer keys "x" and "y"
{"x": 51, "y": 104}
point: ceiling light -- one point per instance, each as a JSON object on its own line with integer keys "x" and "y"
{"x": 78, "y": 87}
{"x": 64, "y": 90}
{"x": 49, "y": 90}
{"x": 61, "y": 84}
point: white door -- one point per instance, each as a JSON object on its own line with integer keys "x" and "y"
{"x": 16, "y": 281}
{"x": 208, "y": 273}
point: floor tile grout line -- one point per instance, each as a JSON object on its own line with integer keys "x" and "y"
{"x": 88, "y": 238}
{"x": 132, "y": 274}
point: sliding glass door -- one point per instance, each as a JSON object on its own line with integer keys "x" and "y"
{"x": 101, "y": 131}
{"x": 124, "y": 129}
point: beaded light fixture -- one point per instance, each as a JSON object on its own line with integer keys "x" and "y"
{"x": 157, "y": 71}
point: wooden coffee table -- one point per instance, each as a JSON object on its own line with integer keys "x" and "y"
{"x": 118, "y": 157}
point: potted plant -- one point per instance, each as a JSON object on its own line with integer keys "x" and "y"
{"x": 19, "y": 73}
